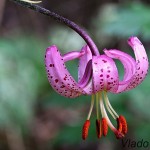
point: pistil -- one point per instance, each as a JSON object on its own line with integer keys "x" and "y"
{"x": 109, "y": 107}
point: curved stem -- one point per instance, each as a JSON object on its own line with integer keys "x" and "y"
{"x": 67, "y": 22}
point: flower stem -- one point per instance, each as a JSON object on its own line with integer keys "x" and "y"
{"x": 64, "y": 20}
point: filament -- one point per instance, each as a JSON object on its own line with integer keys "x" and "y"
{"x": 101, "y": 104}
{"x": 109, "y": 107}
{"x": 97, "y": 108}
{"x": 91, "y": 107}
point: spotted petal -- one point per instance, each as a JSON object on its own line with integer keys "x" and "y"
{"x": 135, "y": 72}
{"x": 58, "y": 76}
{"x": 83, "y": 61}
{"x": 128, "y": 64}
{"x": 105, "y": 74}
{"x": 141, "y": 62}
{"x": 85, "y": 70}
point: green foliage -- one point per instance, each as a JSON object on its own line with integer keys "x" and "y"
{"x": 126, "y": 20}
{"x": 66, "y": 39}
{"x": 21, "y": 75}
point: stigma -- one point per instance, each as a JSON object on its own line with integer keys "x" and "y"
{"x": 103, "y": 122}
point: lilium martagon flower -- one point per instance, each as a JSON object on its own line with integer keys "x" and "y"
{"x": 98, "y": 75}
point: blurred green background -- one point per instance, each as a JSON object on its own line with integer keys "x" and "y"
{"x": 32, "y": 115}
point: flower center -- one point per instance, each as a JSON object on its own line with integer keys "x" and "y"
{"x": 102, "y": 119}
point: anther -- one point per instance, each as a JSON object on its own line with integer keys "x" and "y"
{"x": 122, "y": 120}
{"x": 98, "y": 128}
{"x": 104, "y": 126}
{"x": 85, "y": 129}
{"x": 119, "y": 125}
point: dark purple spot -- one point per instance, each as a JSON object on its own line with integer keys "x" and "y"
{"x": 62, "y": 86}
{"x": 56, "y": 80}
{"x": 101, "y": 75}
{"x": 51, "y": 65}
{"x": 104, "y": 61}
{"x": 107, "y": 76}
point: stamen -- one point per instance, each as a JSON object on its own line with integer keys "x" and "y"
{"x": 91, "y": 108}
{"x": 104, "y": 126}
{"x": 98, "y": 128}
{"x": 101, "y": 104}
{"x": 85, "y": 129}
{"x": 97, "y": 108}
{"x": 107, "y": 118}
{"x": 123, "y": 122}
{"x": 119, "y": 125}
{"x": 122, "y": 125}
{"x": 109, "y": 107}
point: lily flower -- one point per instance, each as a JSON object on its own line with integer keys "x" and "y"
{"x": 98, "y": 75}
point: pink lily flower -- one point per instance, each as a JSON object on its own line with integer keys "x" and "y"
{"x": 97, "y": 75}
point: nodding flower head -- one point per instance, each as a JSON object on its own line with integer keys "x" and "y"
{"x": 98, "y": 75}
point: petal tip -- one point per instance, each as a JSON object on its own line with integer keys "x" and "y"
{"x": 133, "y": 40}
{"x": 52, "y": 47}
{"x": 105, "y": 50}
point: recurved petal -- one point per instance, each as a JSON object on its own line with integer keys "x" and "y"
{"x": 58, "y": 76}
{"x": 129, "y": 65}
{"x": 85, "y": 82}
{"x": 83, "y": 61}
{"x": 142, "y": 63}
{"x": 72, "y": 55}
{"x": 105, "y": 74}
{"x": 85, "y": 70}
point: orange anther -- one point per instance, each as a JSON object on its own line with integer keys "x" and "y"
{"x": 85, "y": 129}
{"x": 119, "y": 125}
{"x": 98, "y": 128}
{"x": 122, "y": 120}
{"x": 104, "y": 126}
